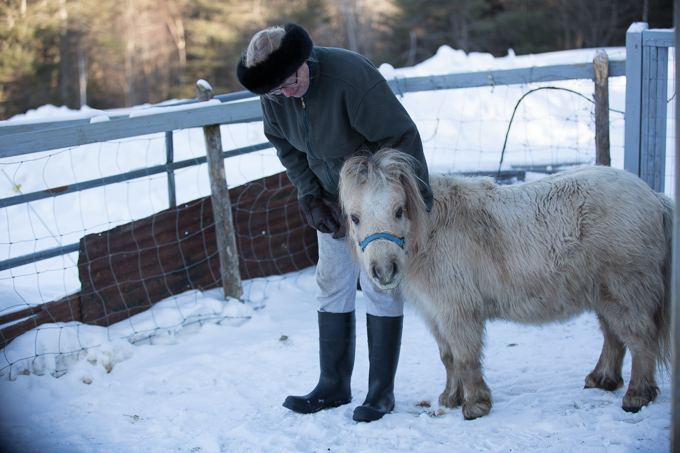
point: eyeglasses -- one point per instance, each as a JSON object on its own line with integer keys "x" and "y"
{"x": 284, "y": 86}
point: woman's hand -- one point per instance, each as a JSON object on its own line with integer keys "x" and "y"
{"x": 319, "y": 215}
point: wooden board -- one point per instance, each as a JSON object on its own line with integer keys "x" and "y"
{"x": 64, "y": 310}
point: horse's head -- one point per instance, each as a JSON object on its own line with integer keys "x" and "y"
{"x": 382, "y": 201}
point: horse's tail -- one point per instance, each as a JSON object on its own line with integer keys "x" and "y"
{"x": 664, "y": 313}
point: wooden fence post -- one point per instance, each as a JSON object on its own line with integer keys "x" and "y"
{"x": 221, "y": 204}
{"x": 601, "y": 64}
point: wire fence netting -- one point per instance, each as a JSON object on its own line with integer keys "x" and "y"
{"x": 146, "y": 271}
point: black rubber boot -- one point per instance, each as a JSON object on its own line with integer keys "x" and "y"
{"x": 384, "y": 342}
{"x": 337, "y": 343}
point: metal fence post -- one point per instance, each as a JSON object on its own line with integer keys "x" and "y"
{"x": 221, "y": 204}
{"x": 170, "y": 159}
{"x": 631, "y": 156}
{"x": 654, "y": 107}
{"x": 646, "y": 104}
{"x": 675, "y": 312}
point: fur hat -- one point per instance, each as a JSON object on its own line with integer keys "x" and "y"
{"x": 296, "y": 47}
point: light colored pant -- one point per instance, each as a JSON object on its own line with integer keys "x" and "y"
{"x": 336, "y": 278}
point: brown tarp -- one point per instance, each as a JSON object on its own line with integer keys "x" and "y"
{"x": 126, "y": 270}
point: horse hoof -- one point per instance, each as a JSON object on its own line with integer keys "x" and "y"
{"x": 594, "y": 381}
{"x": 450, "y": 401}
{"x": 471, "y": 412}
{"x": 633, "y": 402}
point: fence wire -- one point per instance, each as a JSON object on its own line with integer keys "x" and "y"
{"x": 463, "y": 130}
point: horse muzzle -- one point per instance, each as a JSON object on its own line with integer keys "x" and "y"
{"x": 383, "y": 268}
{"x": 385, "y": 273}
{"x": 386, "y": 283}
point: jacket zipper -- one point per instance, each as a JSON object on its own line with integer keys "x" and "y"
{"x": 304, "y": 120}
{"x": 309, "y": 141}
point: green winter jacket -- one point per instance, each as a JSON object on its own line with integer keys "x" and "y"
{"x": 349, "y": 108}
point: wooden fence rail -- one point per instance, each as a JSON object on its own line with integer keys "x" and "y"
{"x": 27, "y": 139}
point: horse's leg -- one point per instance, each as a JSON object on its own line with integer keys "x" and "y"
{"x": 607, "y": 372}
{"x": 477, "y": 400}
{"x": 642, "y": 389}
{"x": 451, "y": 396}
{"x": 465, "y": 336}
{"x": 634, "y": 324}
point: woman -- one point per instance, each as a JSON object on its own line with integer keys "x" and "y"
{"x": 321, "y": 106}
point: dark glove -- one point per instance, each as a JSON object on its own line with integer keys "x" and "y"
{"x": 340, "y": 217}
{"x": 319, "y": 216}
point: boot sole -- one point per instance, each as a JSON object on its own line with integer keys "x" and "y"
{"x": 304, "y": 407}
{"x": 368, "y": 414}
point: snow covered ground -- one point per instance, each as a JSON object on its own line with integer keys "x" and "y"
{"x": 195, "y": 374}
{"x": 219, "y": 387}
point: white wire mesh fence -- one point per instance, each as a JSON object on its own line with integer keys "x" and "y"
{"x": 463, "y": 130}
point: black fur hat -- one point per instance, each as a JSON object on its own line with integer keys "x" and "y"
{"x": 296, "y": 47}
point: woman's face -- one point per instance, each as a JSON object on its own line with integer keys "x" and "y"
{"x": 299, "y": 88}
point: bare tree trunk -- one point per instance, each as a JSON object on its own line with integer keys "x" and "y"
{"x": 566, "y": 24}
{"x": 173, "y": 19}
{"x": 63, "y": 52}
{"x": 350, "y": 26}
{"x": 82, "y": 75}
{"x": 411, "y": 60}
{"x": 130, "y": 54}
{"x": 463, "y": 33}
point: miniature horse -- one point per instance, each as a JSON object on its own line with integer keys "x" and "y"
{"x": 591, "y": 239}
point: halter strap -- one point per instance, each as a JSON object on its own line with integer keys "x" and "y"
{"x": 401, "y": 242}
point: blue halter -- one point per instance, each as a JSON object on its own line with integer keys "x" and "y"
{"x": 401, "y": 242}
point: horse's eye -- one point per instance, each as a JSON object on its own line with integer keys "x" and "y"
{"x": 399, "y": 213}
{"x": 355, "y": 219}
